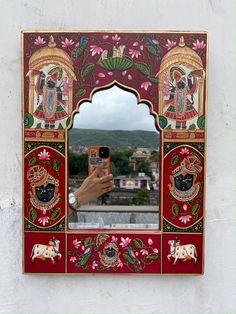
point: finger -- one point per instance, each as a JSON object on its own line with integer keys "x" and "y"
{"x": 109, "y": 189}
{"x": 104, "y": 179}
{"x": 107, "y": 184}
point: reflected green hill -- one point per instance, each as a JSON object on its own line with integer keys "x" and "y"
{"x": 114, "y": 138}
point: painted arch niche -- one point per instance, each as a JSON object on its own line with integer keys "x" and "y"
{"x": 114, "y": 119}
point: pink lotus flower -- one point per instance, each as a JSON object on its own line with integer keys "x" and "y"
{"x": 150, "y": 242}
{"x": 101, "y": 75}
{"x": 116, "y": 37}
{"x": 144, "y": 252}
{"x": 76, "y": 243}
{"x": 105, "y": 36}
{"x": 134, "y": 53}
{"x": 185, "y": 219}
{"x": 184, "y": 151}
{"x": 43, "y": 220}
{"x": 170, "y": 44}
{"x": 114, "y": 239}
{"x": 96, "y": 50}
{"x": 120, "y": 264}
{"x": 155, "y": 250}
{"x": 125, "y": 242}
{"x": 44, "y": 155}
{"x": 185, "y": 207}
{"x": 199, "y": 45}
{"x": 72, "y": 259}
{"x": 94, "y": 265}
{"x": 146, "y": 85}
{"x": 67, "y": 43}
{"x": 39, "y": 41}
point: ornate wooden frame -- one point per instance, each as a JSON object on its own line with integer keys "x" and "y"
{"x": 153, "y": 65}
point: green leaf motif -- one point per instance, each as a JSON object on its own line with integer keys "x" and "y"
{"x": 175, "y": 159}
{"x": 192, "y": 127}
{"x": 162, "y": 122}
{"x": 68, "y": 121}
{"x": 32, "y": 161}
{"x": 87, "y": 241}
{"x": 80, "y": 92}
{"x": 152, "y": 256}
{"x": 201, "y": 122}
{"x": 138, "y": 243}
{"x": 175, "y": 209}
{"x": 39, "y": 125}
{"x": 84, "y": 259}
{"x": 87, "y": 70}
{"x": 153, "y": 79}
{"x": 56, "y": 164}
{"x": 28, "y": 120}
{"x": 195, "y": 209}
{"x": 142, "y": 67}
{"x": 60, "y": 127}
{"x": 115, "y": 63}
{"x": 33, "y": 214}
{"x": 128, "y": 258}
{"x": 56, "y": 213}
{"x": 151, "y": 49}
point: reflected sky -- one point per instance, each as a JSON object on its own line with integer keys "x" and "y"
{"x": 114, "y": 109}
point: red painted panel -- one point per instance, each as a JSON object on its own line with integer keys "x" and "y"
{"x": 118, "y": 253}
{"x": 44, "y": 178}
{"x": 183, "y": 205}
{"x": 44, "y": 252}
{"x": 182, "y": 253}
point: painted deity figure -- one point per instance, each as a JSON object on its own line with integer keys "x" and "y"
{"x": 51, "y": 98}
{"x": 181, "y": 91}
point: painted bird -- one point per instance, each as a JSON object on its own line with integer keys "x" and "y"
{"x": 136, "y": 262}
{"x": 84, "y": 257}
{"x": 155, "y": 44}
{"x": 80, "y": 42}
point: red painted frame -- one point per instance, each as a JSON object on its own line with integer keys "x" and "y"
{"x": 151, "y": 65}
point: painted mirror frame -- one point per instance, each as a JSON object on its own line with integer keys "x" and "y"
{"x": 164, "y": 69}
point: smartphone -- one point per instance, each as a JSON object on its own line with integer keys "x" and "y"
{"x": 98, "y": 155}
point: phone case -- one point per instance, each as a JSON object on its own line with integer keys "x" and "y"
{"x": 94, "y": 160}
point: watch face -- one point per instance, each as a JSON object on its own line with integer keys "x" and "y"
{"x": 72, "y": 199}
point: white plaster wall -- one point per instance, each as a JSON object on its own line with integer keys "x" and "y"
{"x": 212, "y": 293}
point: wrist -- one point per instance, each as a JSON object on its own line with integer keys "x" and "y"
{"x": 79, "y": 198}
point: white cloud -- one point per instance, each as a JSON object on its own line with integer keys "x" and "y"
{"x": 114, "y": 109}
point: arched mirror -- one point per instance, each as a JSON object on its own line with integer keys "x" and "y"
{"x": 114, "y": 119}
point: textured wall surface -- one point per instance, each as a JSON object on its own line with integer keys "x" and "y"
{"x": 212, "y": 293}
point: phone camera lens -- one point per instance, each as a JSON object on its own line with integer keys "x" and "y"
{"x": 104, "y": 152}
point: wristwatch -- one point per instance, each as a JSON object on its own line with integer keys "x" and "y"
{"x": 73, "y": 200}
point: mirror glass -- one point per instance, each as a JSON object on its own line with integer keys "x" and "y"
{"x": 114, "y": 119}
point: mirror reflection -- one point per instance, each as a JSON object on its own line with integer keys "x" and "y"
{"x": 114, "y": 120}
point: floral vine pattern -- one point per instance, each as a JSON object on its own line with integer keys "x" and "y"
{"x": 105, "y": 252}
